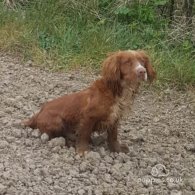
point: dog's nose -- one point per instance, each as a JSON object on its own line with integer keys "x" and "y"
{"x": 141, "y": 73}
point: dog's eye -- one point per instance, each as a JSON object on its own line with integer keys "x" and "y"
{"x": 127, "y": 62}
{"x": 142, "y": 62}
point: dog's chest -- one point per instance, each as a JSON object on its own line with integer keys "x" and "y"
{"x": 111, "y": 119}
{"x": 114, "y": 115}
{"x": 116, "y": 111}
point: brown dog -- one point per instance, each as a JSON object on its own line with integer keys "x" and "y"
{"x": 99, "y": 107}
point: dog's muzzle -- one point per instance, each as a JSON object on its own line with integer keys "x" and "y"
{"x": 141, "y": 73}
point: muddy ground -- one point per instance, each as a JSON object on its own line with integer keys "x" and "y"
{"x": 160, "y": 133}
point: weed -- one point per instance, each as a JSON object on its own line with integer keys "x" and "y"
{"x": 67, "y": 34}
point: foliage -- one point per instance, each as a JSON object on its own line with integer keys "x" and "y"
{"x": 80, "y": 33}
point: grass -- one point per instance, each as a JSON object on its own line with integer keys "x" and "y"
{"x": 67, "y": 34}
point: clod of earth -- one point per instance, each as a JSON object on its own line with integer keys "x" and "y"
{"x": 160, "y": 130}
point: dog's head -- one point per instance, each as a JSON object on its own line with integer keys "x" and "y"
{"x": 129, "y": 67}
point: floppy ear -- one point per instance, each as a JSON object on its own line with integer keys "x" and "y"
{"x": 150, "y": 71}
{"x": 111, "y": 72}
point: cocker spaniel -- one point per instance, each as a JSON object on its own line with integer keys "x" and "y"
{"x": 99, "y": 107}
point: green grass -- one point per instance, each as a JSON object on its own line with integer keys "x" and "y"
{"x": 68, "y": 34}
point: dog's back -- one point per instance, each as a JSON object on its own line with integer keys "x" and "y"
{"x": 56, "y": 115}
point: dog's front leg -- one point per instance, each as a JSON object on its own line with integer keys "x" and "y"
{"x": 113, "y": 142}
{"x": 84, "y": 136}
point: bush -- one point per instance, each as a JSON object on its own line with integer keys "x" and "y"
{"x": 80, "y": 33}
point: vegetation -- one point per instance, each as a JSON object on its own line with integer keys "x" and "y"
{"x": 71, "y": 33}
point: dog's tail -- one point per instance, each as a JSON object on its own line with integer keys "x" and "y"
{"x": 32, "y": 122}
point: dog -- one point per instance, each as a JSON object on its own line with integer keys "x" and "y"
{"x": 100, "y": 107}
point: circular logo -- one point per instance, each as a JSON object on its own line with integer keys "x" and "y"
{"x": 159, "y": 170}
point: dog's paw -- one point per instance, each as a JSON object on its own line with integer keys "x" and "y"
{"x": 117, "y": 147}
{"x": 124, "y": 148}
{"x": 81, "y": 151}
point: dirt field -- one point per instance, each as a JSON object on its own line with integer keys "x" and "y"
{"x": 160, "y": 133}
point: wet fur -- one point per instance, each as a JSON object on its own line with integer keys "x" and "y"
{"x": 99, "y": 108}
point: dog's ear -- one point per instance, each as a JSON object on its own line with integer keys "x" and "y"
{"x": 111, "y": 68}
{"x": 111, "y": 72}
{"x": 150, "y": 71}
